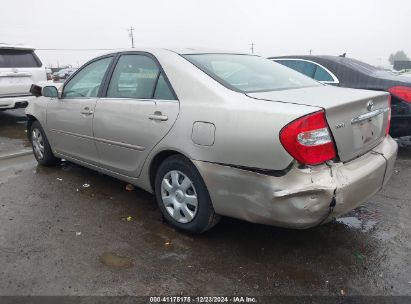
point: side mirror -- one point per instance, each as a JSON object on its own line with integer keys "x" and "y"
{"x": 47, "y": 91}
{"x": 50, "y": 91}
{"x": 35, "y": 90}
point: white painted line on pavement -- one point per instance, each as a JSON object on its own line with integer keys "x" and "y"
{"x": 16, "y": 154}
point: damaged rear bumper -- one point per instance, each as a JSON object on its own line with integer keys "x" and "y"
{"x": 302, "y": 197}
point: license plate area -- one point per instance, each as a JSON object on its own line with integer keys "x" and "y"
{"x": 367, "y": 129}
{"x": 14, "y": 80}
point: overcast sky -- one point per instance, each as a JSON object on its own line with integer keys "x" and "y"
{"x": 368, "y": 30}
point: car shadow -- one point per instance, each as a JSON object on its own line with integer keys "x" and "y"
{"x": 404, "y": 147}
{"x": 13, "y": 124}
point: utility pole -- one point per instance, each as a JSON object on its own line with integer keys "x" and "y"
{"x": 131, "y": 35}
{"x": 252, "y": 47}
{"x": 311, "y": 51}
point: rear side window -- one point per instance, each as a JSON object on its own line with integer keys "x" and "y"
{"x": 134, "y": 77}
{"x": 307, "y": 68}
{"x": 322, "y": 75}
{"x": 163, "y": 90}
{"x": 18, "y": 59}
{"x": 139, "y": 77}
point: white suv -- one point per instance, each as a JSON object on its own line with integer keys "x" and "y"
{"x": 19, "y": 69}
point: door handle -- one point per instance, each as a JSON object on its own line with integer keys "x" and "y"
{"x": 86, "y": 111}
{"x": 157, "y": 116}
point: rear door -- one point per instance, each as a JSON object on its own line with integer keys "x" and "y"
{"x": 70, "y": 118}
{"x": 138, "y": 110}
{"x": 19, "y": 68}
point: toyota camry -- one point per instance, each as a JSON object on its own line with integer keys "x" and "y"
{"x": 216, "y": 134}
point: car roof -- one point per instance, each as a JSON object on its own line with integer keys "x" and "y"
{"x": 190, "y": 51}
{"x": 180, "y": 51}
{"x": 337, "y": 59}
{"x": 16, "y": 46}
{"x": 329, "y": 57}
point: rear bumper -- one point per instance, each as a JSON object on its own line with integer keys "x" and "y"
{"x": 7, "y": 103}
{"x": 302, "y": 197}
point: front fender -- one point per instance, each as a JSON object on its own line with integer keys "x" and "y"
{"x": 37, "y": 110}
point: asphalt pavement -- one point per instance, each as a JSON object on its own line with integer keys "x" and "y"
{"x": 68, "y": 230}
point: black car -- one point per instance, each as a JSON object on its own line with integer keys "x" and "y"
{"x": 350, "y": 73}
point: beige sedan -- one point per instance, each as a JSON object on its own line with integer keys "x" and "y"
{"x": 219, "y": 134}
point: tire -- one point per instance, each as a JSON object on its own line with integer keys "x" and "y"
{"x": 176, "y": 197}
{"x": 41, "y": 147}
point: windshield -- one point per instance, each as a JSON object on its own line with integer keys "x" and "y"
{"x": 247, "y": 73}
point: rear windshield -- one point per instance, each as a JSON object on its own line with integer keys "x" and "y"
{"x": 18, "y": 59}
{"x": 247, "y": 73}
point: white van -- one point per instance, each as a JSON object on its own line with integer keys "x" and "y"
{"x": 19, "y": 69}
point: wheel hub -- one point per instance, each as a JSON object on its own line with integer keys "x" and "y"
{"x": 179, "y": 196}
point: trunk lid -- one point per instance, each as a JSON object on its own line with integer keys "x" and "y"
{"x": 357, "y": 118}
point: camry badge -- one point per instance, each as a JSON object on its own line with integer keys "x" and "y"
{"x": 370, "y": 105}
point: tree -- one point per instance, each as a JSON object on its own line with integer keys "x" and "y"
{"x": 399, "y": 55}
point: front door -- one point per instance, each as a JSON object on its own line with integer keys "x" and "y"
{"x": 137, "y": 112}
{"x": 70, "y": 118}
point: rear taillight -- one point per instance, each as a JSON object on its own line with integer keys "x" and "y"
{"x": 308, "y": 139}
{"x": 387, "y": 130}
{"x": 403, "y": 93}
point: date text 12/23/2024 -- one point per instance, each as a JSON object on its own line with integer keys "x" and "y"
{"x": 205, "y": 299}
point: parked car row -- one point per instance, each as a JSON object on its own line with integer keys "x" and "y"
{"x": 63, "y": 74}
{"x": 216, "y": 134}
{"x": 405, "y": 73}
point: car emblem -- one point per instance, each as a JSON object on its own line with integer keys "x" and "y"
{"x": 370, "y": 105}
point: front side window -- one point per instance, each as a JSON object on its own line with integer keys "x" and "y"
{"x": 134, "y": 77}
{"x": 247, "y": 73}
{"x": 87, "y": 82}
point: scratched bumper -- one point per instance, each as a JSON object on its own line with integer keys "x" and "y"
{"x": 302, "y": 197}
